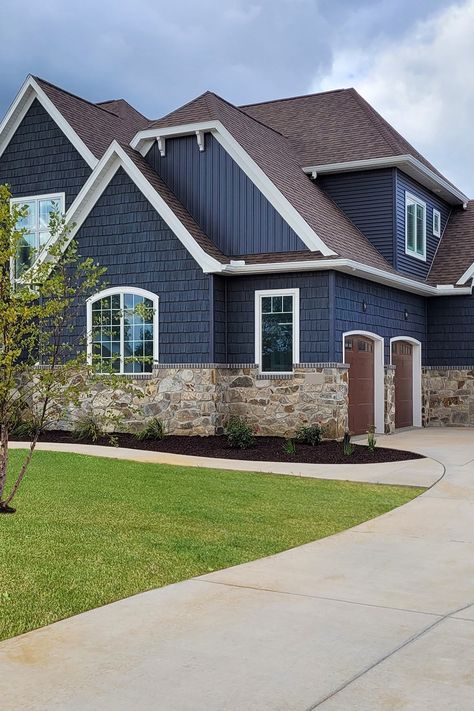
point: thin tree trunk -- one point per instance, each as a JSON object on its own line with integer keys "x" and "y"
{"x": 3, "y": 458}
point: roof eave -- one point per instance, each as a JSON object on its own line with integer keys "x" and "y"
{"x": 409, "y": 164}
{"x": 349, "y": 266}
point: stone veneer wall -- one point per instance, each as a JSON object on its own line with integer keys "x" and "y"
{"x": 389, "y": 420}
{"x": 448, "y": 396}
{"x": 198, "y": 400}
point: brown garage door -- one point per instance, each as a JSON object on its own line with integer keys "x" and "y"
{"x": 359, "y": 353}
{"x": 402, "y": 358}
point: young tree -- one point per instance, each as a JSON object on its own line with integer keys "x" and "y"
{"x": 42, "y": 365}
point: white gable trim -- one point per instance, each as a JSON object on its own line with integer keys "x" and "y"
{"x": 468, "y": 274}
{"x": 113, "y": 159}
{"x": 143, "y": 140}
{"x": 30, "y": 91}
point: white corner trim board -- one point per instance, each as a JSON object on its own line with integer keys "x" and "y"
{"x": 113, "y": 159}
{"x": 30, "y": 91}
{"x": 144, "y": 139}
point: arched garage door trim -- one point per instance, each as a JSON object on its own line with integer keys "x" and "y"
{"x": 379, "y": 375}
{"x": 416, "y": 375}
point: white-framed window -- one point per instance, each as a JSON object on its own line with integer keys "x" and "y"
{"x": 36, "y": 226}
{"x": 415, "y": 227}
{"x": 436, "y": 223}
{"x": 122, "y": 330}
{"x": 277, "y": 330}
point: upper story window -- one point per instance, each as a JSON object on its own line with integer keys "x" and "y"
{"x": 122, "y": 328}
{"x": 36, "y": 227}
{"x": 415, "y": 227}
{"x": 436, "y": 223}
{"x": 277, "y": 330}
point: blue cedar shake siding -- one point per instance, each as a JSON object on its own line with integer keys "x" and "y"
{"x": 404, "y": 262}
{"x": 451, "y": 331}
{"x": 314, "y": 314}
{"x": 366, "y": 197}
{"x": 385, "y": 313}
{"x": 40, "y": 159}
{"x": 221, "y": 198}
{"x": 124, "y": 233}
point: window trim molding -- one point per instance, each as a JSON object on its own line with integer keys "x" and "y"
{"x": 110, "y": 291}
{"x": 438, "y": 213}
{"x": 259, "y": 294}
{"x": 409, "y": 252}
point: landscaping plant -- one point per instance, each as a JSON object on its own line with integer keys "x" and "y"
{"x": 239, "y": 433}
{"x": 41, "y": 374}
{"x": 347, "y": 446}
{"x": 290, "y": 447}
{"x": 153, "y": 430}
{"x": 371, "y": 441}
{"x": 309, "y": 434}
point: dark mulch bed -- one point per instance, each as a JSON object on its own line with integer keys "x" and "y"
{"x": 265, "y": 449}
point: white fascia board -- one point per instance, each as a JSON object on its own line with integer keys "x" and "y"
{"x": 113, "y": 159}
{"x": 142, "y": 142}
{"x": 348, "y": 266}
{"x": 408, "y": 163}
{"x": 30, "y": 91}
{"x": 468, "y": 274}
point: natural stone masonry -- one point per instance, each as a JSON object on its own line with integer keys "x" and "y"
{"x": 198, "y": 400}
{"x": 389, "y": 420}
{"x": 448, "y": 396}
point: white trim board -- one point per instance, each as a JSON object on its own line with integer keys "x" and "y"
{"x": 144, "y": 139}
{"x": 408, "y": 163}
{"x": 379, "y": 375}
{"x": 29, "y": 91}
{"x": 113, "y": 159}
{"x": 416, "y": 383}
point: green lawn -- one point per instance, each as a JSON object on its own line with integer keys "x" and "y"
{"x": 89, "y": 531}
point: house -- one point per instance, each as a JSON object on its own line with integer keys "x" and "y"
{"x": 300, "y": 259}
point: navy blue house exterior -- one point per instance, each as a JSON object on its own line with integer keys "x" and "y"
{"x": 197, "y": 214}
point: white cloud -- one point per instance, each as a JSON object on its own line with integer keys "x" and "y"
{"x": 423, "y": 83}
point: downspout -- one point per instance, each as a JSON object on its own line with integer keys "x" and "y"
{"x": 211, "y": 318}
{"x": 332, "y": 316}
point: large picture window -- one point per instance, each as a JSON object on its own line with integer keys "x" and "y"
{"x": 415, "y": 227}
{"x": 277, "y": 330}
{"x": 122, "y": 326}
{"x": 35, "y": 224}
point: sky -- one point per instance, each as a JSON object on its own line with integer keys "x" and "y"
{"x": 411, "y": 59}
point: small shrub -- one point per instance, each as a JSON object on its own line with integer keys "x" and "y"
{"x": 239, "y": 433}
{"x": 371, "y": 441}
{"x": 26, "y": 427}
{"x": 290, "y": 447}
{"x": 347, "y": 446}
{"x": 153, "y": 430}
{"x": 89, "y": 426}
{"x": 309, "y": 434}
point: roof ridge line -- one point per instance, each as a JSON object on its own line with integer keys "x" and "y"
{"x": 244, "y": 113}
{"x": 170, "y": 113}
{"x": 377, "y": 120}
{"x": 75, "y": 96}
{"x": 298, "y": 96}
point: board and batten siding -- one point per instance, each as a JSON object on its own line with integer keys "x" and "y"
{"x": 314, "y": 314}
{"x": 125, "y": 234}
{"x": 40, "y": 159}
{"x": 366, "y": 197}
{"x": 451, "y": 331}
{"x": 222, "y": 199}
{"x": 385, "y": 314}
{"x": 405, "y": 263}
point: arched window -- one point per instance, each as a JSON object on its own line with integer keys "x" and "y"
{"x": 122, "y": 330}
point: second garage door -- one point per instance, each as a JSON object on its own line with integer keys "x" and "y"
{"x": 402, "y": 358}
{"x": 359, "y": 354}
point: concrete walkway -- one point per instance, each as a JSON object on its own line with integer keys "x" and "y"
{"x": 379, "y": 617}
{"x": 414, "y": 472}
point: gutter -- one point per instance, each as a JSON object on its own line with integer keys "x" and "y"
{"x": 347, "y": 266}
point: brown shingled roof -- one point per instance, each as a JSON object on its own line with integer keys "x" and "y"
{"x": 334, "y": 127}
{"x": 274, "y": 155}
{"x": 96, "y": 124}
{"x": 456, "y": 250}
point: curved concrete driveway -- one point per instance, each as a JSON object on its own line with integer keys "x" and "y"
{"x": 377, "y": 617}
